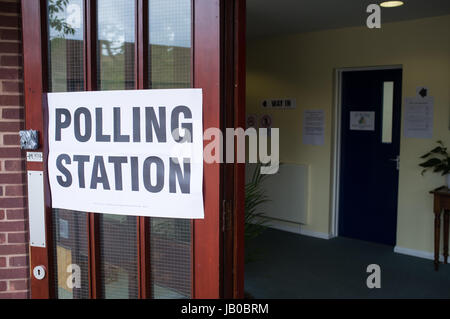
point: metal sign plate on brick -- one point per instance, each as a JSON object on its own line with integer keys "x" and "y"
{"x": 34, "y": 157}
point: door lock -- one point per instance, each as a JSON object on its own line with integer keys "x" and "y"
{"x": 397, "y": 160}
{"x": 39, "y": 272}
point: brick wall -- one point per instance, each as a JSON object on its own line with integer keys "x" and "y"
{"x": 14, "y": 273}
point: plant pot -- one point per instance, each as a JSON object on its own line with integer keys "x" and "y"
{"x": 447, "y": 177}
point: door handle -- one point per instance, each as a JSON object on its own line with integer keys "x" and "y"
{"x": 397, "y": 161}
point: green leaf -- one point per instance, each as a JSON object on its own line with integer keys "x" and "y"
{"x": 439, "y": 168}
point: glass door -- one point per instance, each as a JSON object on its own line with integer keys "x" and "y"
{"x": 124, "y": 45}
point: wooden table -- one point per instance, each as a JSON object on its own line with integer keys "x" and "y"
{"x": 441, "y": 203}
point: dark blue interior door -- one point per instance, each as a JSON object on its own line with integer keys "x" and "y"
{"x": 370, "y": 145}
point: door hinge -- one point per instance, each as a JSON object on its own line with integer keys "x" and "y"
{"x": 227, "y": 215}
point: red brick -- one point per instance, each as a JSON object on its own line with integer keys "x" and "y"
{"x": 11, "y": 100}
{"x": 18, "y": 261}
{"x": 10, "y": 140}
{"x": 13, "y": 250}
{"x": 2, "y": 214}
{"x": 13, "y": 113}
{"x": 14, "y": 273}
{"x": 1, "y": 190}
{"x": 11, "y": 60}
{"x": 16, "y": 214}
{"x": 16, "y": 190}
{"x": 10, "y": 152}
{"x": 18, "y": 285}
{"x": 14, "y": 165}
{"x": 9, "y": 21}
{"x": 15, "y": 202}
{"x": 9, "y": 7}
{"x": 17, "y": 238}
{"x": 10, "y": 74}
{"x": 10, "y": 127}
{"x": 3, "y": 286}
{"x": 14, "y": 178}
{"x": 6, "y": 34}
{"x": 11, "y": 87}
{"x": 2, "y": 262}
{"x": 2, "y": 239}
{"x": 14, "y": 295}
{"x": 13, "y": 226}
{"x": 10, "y": 47}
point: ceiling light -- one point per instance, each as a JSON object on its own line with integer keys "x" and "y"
{"x": 391, "y": 4}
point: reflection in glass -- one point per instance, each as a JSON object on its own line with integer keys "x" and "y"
{"x": 65, "y": 23}
{"x": 170, "y": 44}
{"x": 118, "y": 256}
{"x": 118, "y": 234}
{"x": 71, "y": 254}
{"x": 116, "y": 44}
{"x": 170, "y": 249}
{"x": 65, "y": 54}
{"x": 170, "y": 67}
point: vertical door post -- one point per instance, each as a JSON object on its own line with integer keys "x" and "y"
{"x": 34, "y": 31}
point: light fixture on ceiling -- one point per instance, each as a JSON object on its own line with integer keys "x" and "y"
{"x": 391, "y": 4}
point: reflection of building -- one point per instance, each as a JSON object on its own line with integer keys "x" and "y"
{"x": 65, "y": 76}
{"x": 169, "y": 69}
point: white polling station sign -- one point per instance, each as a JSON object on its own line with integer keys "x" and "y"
{"x": 127, "y": 152}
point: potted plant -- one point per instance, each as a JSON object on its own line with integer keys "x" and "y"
{"x": 255, "y": 221}
{"x": 438, "y": 160}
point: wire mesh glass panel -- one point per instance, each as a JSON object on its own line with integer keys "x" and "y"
{"x": 116, "y": 44}
{"x": 170, "y": 44}
{"x": 66, "y": 74}
{"x": 118, "y": 234}
{"x": 170, "y": 257}
{"x": 170, "y": 67}
{"x": 65, "y": 24}
{"x": 118, "y": 256}
{"x": 71, "y": 254}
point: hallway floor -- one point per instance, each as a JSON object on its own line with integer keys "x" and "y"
{"x": 286, "y": 265}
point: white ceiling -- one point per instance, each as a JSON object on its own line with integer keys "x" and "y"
{"x": 276, "y": 17}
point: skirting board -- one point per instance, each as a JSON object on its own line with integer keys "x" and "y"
{"x": 297, "y": 229}
{"x": 417, "y": 253}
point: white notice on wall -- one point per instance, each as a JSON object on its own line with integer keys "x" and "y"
{"x": 362, "y": 121}
{"x": 314, "y": 127}
{"x": 127, "y": 152}
{"x": 418, "y": 117}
